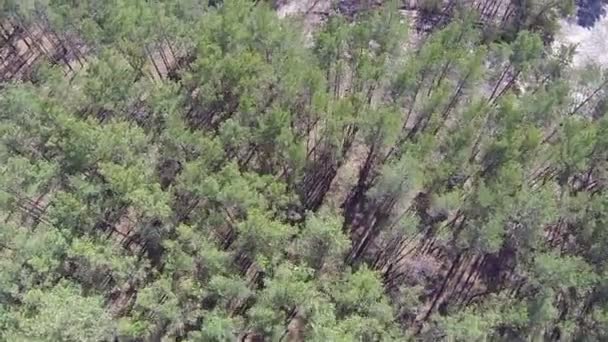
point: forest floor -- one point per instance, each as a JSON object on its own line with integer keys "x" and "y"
{"x": 314, "y": 12}
{"x": 591, "y": 43}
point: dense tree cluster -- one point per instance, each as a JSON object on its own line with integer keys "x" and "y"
{"x": 175, "y": 170}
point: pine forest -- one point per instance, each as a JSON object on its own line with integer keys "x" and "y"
{"x": 313, "y": 170}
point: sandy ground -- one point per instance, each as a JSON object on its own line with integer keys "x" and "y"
{"x": 313, "y": 11}
{"x": 592, "y": 43}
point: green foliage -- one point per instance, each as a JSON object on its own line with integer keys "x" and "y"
{"x": 360, "y": 294}
{"x": 481, "y": 322}
{"x": 322, "y": 244}
{"x": 207, "y": 171}
{"x": 563, "y": 272}
{"x": 60, "y": 313}
{"x": 217, "y": 326}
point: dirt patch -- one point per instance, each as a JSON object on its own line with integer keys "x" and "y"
{"x": 591, "y": 44}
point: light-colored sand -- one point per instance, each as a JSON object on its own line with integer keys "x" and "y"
{"x": 592, "y": 44}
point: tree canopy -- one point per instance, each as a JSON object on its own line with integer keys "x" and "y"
{"x": 207, "y": 171}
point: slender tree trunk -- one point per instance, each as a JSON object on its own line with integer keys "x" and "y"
{"x": 498, "y": 83}
{"x": 588, "y": 98}
{"x": 441, "y": 290}
{"x": 151, "y": 58}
